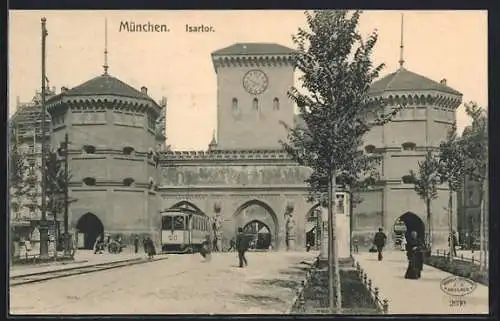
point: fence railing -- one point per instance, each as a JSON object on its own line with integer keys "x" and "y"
{"x": 382, "y": 304}
{"x": 474, "y": 259}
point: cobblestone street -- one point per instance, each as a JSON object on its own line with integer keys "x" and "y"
{"x": 181, "y": 284}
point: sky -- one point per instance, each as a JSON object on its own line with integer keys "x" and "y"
{"x": 177, "y": 65}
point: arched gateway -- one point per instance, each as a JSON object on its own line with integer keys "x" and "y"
{"x": 89, "y": 227}
{"x": 257, "y": 217}
{"x": 409, "y": 222}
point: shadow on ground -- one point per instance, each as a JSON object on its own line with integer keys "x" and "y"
{"x": 259, "y": 300}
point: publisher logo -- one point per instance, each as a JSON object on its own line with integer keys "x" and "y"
{"x": 457, "y": 286}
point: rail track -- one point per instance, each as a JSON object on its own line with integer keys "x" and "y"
{"x": 57, "y": 274}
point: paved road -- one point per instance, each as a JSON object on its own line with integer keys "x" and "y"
{"x": 180, "y": 284}
{"x": 422, "y": 296}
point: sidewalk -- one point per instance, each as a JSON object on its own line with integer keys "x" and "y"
{"x": 82, "y": 258}
{"x": 423, "y": 296}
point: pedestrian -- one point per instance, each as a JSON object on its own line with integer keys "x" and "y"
{"x": 414, "y": 253}
{"x": 98, "y": 245}
{"x": 242, "y": 247}
{"x": 150, "y": 248}
{"x": 232, "y": 245}
{"x": 379, "y": 242}
{"x": 453, "y": 238}
{"x": 136, "y": 244}
{"x": 355, "y": 246}
{"x": 145, "y": 244}
{"x": 308, "y": 247}
{"x": 206, "y": 250}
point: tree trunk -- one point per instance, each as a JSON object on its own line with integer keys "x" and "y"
{"x": 483, "y": 252}
{"x": 335, "y": 298}
{"x": 450, "y": 222}
{"x": 429, "y": 223}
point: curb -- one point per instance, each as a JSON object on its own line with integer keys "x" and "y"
{"x": 301, "y": 288}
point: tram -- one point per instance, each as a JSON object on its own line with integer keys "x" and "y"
{"x": 183, "y": 230}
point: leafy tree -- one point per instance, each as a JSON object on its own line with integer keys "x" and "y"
{"x": 335, "y": 106}
{"x": 475, "y": 139}
{"x": 425, "y": 184}
{"x": 17, "y": 174}
{"x": 452, "y": 167}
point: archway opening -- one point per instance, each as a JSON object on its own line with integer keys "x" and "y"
{"x": 407, "y": 223}
{"x": 89, "y": 228}
{"x": 267, "y": 227}
{"x": 313, "y": 232}
{"x": 259, "y": 235}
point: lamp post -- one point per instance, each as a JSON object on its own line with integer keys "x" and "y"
{"x": 43, "y": 228}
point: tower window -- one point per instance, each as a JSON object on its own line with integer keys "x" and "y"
{"x": 409, "y": 146}
{"x": 370, "y": 149}
{"x": 255, "y": 104}
{"x": 128, "y": 150}
{"x": 89, "y": 181}
{"x": 89, "y": 149}
{"x": 235, "y": 104}
{"x": 276, "y": 103}
{"x": 128, "y": 181}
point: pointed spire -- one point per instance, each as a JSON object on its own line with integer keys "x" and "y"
{"x": 105, "y": 66}
{"x": 401, "y": 47}
{"x": 213, "y": 143}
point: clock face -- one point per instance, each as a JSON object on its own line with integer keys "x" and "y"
{"x": 255, "y": 82}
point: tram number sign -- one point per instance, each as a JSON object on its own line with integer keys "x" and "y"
{"x": 172, "y": 237}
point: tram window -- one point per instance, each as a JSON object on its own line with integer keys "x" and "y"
{"x": 195, "y": 222}
{"x": 178, "y": 222}
{"x": 166, "y": 223}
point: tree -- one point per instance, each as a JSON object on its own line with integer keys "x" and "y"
{"x": 475, "y": 139}
{"x": 17, "y": 173}
{"x": 452, "y": 167}
{"x": 425, "y": 185}
{"x": 335, "y": 106}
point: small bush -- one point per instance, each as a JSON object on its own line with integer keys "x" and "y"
{"x": 459, "y": 268}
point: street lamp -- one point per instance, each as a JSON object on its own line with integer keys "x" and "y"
{"x": 43, "y": 228}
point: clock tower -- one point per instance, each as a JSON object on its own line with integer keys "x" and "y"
{"x": 252, "y": 84}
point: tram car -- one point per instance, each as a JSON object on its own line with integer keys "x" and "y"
{"x": 183, "y": 230}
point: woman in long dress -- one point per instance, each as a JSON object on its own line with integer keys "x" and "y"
{"x": 414, "y": 252}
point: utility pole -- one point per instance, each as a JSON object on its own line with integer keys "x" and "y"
{"x": 43, "y": 228}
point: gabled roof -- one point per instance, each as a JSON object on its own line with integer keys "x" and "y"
{"x": 253, "y": 48}
{"x": 104, "y": 85}
{"x": 405, "y": 80}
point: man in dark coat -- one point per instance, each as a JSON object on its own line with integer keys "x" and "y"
{"x": 241, "y": 247}
{"x": 136, "y": 244}
{"x": 379, "y": 242}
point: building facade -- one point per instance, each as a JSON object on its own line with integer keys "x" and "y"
{"x": 123, "y": 175}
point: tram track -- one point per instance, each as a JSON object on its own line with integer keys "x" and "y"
{"x": 72, "y": 271}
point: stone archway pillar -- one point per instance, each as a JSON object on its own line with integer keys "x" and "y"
{"x": 290, "y": 228}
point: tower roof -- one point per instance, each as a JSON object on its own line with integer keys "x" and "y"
{"x": 103, "y": 85}
{"x": 253, "y": 48}
{"x": 405, "y": 80}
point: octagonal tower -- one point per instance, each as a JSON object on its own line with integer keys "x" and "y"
{"x": 428, "y": 112}
{"x": 112, "y": 133}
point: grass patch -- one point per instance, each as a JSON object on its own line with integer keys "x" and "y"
{"x": 355, "y": 297}
{"x": 460, "y": 268}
